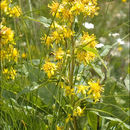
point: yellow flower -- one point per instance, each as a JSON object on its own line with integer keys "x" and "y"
{"x": 10, "y": 73}
{"x": 95, "y": 90}
{"x": 15, "y": 52}
{"x": 67, "y": 32}
{"x": 77, "y": 8}
{"x": 64, "y": 14}
{"x": 54, "y": 7}
{"x": 7, "y": 35}
{"x": 120, "y": 48}
{"x": 89, "y": 40}
{"x": 5, "y": 71}
{"x": 23, "y": 55}
{"x": 124, "y": 1}
{"x": 15, "y": 11}
{"x": 85, "y": 57}
{"x": 82, "y": 89}
{"x": 47, "y": 40}
{"x": 4, "y": 5}
{"x": 69, "y": 91}
{"x": 59, "y": 54}
{"x": 69, "y": 118}
{"x": 57, "y": 36}
{"x": 78, "y": 111}
{"x": 49, "y": 68}
{"x": 59, "y": 128}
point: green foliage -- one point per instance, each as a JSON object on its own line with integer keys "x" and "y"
{"x": 32, "y": 101}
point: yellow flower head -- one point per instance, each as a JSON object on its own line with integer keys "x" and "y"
{"x": 4, "y": 5}
{"x": 78, "y": 7}
{"x": 69, "y": 91}
{"x": 57, "y": 36}
{"x": 15, "y": 11}
{"x": 49, "y": 68}
{"x": 81, "y": 89}
{"x": 7, "y": 35}
{"x": 5, "y": 71}
{"x": 67, "y": 32}
{"x": 54, "y": 7}
{"x": 95, "y": 90}
{"x": 15, "y": 52}
{"x": 47, "y": 40}
{"x": 59, "y": 128}
{"x": 85, "y": 57}
{"x": 78, "y": 111}
{"x": 23, "y": 55}
{"x": 89, "y": 40}
{"x": 124, "y": 1}
{"x": 10, "y": 73}
{"x": 59, "y": 54}
{"x": 69, "y": 118}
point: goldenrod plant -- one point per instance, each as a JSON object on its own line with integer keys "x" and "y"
{"x": 64, "y": 65}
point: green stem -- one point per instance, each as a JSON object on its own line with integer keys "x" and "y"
{"x": 72, "y": 66}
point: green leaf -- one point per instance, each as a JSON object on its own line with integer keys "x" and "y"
{"x": 127, "y": 82}
{"x": 96, "y": 53}
{"x": 98, "y": 70}
{"x": 92, "y": 120}
{"x": 43, "y": 20}
{"x": 28, "y": 89}
{"x": 109, "y": 110}
{"x": 47, "y": 93}
{"x": 105, "y": 50}
{"x": 115, "y": 93}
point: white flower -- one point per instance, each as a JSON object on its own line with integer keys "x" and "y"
{"x": 88, "y": 25}
{"x": 120, "y": 41}
{"x": 115, "y": 34}
{"x": 100, "y": 45}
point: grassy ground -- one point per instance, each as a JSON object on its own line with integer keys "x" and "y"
{"x": 32, "y": 101}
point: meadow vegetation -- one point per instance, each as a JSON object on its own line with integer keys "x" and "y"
{"x": 64, "y": 65}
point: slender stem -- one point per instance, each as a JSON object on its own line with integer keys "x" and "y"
{"x": 98, "y": 120}
{"x": 72, "y": 66}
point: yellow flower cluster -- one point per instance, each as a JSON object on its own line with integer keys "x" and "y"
{"x": 59, "y": 128}
{"x": 70, "y": 8}
{"x": 90, "y": 42}
{"x": 85, "y": 56}
{"x": 69, "y": 91}
{"x": 124, "y": 1}
{"x": 69, "y": 118}
{"x": 82, "y": 89}
{"x": 95, "y": 90}
{"x": 49, "y": 68}
{"x": 7, "y": 35}
{"x": 8, "y": 51}
{"x": 9, "y": 73}
{"x": 6, "y": 7}
{"x": 59, "y": 54}
{"x": 58, "y": 35}
{"x": 78, "y": 111}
